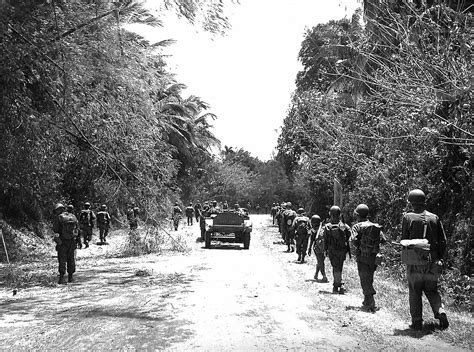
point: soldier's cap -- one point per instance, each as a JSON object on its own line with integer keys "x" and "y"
{"x": 300, "y": 211}
{"x": 87, "y": 204}
{"x": 58, "y": 206}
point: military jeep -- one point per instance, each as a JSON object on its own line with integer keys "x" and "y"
{"x": 229, "y": 226}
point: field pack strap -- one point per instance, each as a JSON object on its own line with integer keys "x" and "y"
{"x": 425, "y": 223}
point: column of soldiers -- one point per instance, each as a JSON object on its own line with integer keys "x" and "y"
{"x": 332, "y": 240}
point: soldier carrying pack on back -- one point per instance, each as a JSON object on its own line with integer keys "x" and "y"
{"x": 86, "y": 223}
{"x": 301, "y": 227}
{"x": 103, "y": 223}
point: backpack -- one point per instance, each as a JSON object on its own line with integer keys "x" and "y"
{"x": 102, "y": 218}
{"x": 337, "y": 237}
{"x": 68, "y": 226}
{"x": 318, "y": 245}
{"x": 189, "y": 211}
{"x": 85, "y": 217}
{"x": 302, "y": 227}
{"x": 370, "y": 240}
{"x": 290, "y": 216}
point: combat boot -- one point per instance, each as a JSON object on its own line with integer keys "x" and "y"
{"x": 416, "y": 325}
{"x": 299, "y": 258}
{"x": 86, "y": 244}
{"x": 443, "y": 321}
{"x": 70, "y": 278}
{"x": 335, "y": 289}
{"x": 342, "y": 290}
{"x": 370, "y": 303}
{"x": 61, "y": 280}
{"x": 324, "y": 279}
{"x": 302, "y": 259}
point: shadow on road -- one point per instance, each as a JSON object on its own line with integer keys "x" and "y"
{"x": 225, "y": 246}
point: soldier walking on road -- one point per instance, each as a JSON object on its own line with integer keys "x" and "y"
{"x": 197, "y": 210}
{"x": 301, "y": 227}
{"x": 317, "y": 244}
{"x": 288, "y": 233}
{"x": 66, "y": 228}
{"x": 132, "y": 216}
{"x": 86, "y": 222}
{"x": 424, "y": 266}
{"x": 366, "y": 237}
{"x": 103, "y": 223}
{"x": 176, "y": 216}
{"x": 273, "y": 213}
{"x": 336, "y": 244}
{"x": 189, "y": 214}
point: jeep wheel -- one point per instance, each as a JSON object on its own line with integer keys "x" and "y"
{"x": 246, "y": 240}
{"x": 207, "y": 239}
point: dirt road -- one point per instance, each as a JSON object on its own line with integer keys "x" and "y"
{"x": 222, "y": 299}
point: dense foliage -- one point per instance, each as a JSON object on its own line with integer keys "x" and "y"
{"x": 89, "y": 111}
{"x": 384, "y": 104}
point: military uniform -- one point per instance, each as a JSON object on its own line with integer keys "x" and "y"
{"x": 367, "y": 237}
{"x": 66, "y": 226}
{"x": 86, "y": 223}
{"x": 132, "y": 216}
{"x": 197, "y": 210}
{"x": 103, "y": 223}
{"x": 336, "y": 237}
{"x": 288, "y": 233}
{"x": 176, "y": 216}
{"x": 189, "y": 214}
{"x": 301, "y": 229}
{"x": 273, "y": 213}
{"x": 317, "y": 244}
{"x": 424, "y": 278}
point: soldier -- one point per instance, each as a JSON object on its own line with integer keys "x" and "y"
{"x": 301, "y": 228}
{"x": 132, "y": 216}
{"x": 66, "y": 227}
{"x": 366, "y": 237}
{"x": 202, "y": 219}
{"x": 336, "y": 245}
{"x": 103, "y": 223}
{"x": 225, "y": 206}
{"x": 189, "y": 211}
{"x": 176, "y": 216}
{"x": 288, "y": 234}
{"x": 214, "y": 209}
{"x": 86, "y": 223}
{"x": 317, "y": 244}
{"x": 197, "y": 210}
{"x": 279, "y": 218}
{"x": 273, "y": 212}
{"x": 423, "y": 274}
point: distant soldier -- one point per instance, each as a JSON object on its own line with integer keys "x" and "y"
{"x": 225, "y": 206}
{"x": 317, "y": 245}
{"x": 176, "y": 216}
{"x": 214, "y": 209}
{"x": 288, "y": 233}
{"x": 273, "y": 212}
{"x": 189, "y": 211}
{"x": 423, "y": 270}
{"x": 203, "y": 214}
{"x": 366, "y": 237}
{"x": 279, "y": 218}
{"x": 86, "y": 223}
{"x": 103, "y": 223}
{"x": 301, "y": 227}
{"x": 197, "y": 210}
{"x": 132, "y": 216}
{"x": 336, "y": 245}
{"x": 66, "y": 228}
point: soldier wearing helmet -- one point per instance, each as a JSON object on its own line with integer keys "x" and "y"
{"x": 197, "y": 210}
{"x": 86, "y": 224}
{"x": 317, "y": 245}
{"x": 103, "y": 223}
{"x": 189, "y": 211}
{"x": 366, "y": 237}
{"x": 287, "y": 231}
{"x": 279, "y": 218}
{"x": 423, "y": 276}
{"x": 301, "y": 228}
{"x": 336, "y": 244}
{"x": 176, "y": 215}
{"x": 132, "y": 216}
{"x": 65, "y": 226}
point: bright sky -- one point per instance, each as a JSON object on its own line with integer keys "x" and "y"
{"x": 248, "y": 75}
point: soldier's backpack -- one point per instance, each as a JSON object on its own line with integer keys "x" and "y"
{"x": 318, "y": 245}
{"x": 370, "y": 240}
{"x": 85, "y": 217}
{"x": 289, "y": 216}
{"x": 68, "y": 226}
{"x": 302, "y": 227}
{"x": 337, "y": 237}
{"x": 102, "y": 218}
{"x": 189, "y": 211}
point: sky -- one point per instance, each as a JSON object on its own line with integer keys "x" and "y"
{"x": 248, "y": 75}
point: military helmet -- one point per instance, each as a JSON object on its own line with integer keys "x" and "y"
{"x": 87, "y": 204}
{"x": 58, "y": 206}
{"x": 288, "y": 205}
{"x": 362, "y": 210}
{"x": 315, "y": 218}
{"x": 417, "y": 197}
{"x": 300, "y": 211}
{"x": 335, "y": 211}
{"x": 103, "y": 207}
{"x": 70, "y": 208}
{"x": 214, "y": 203}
